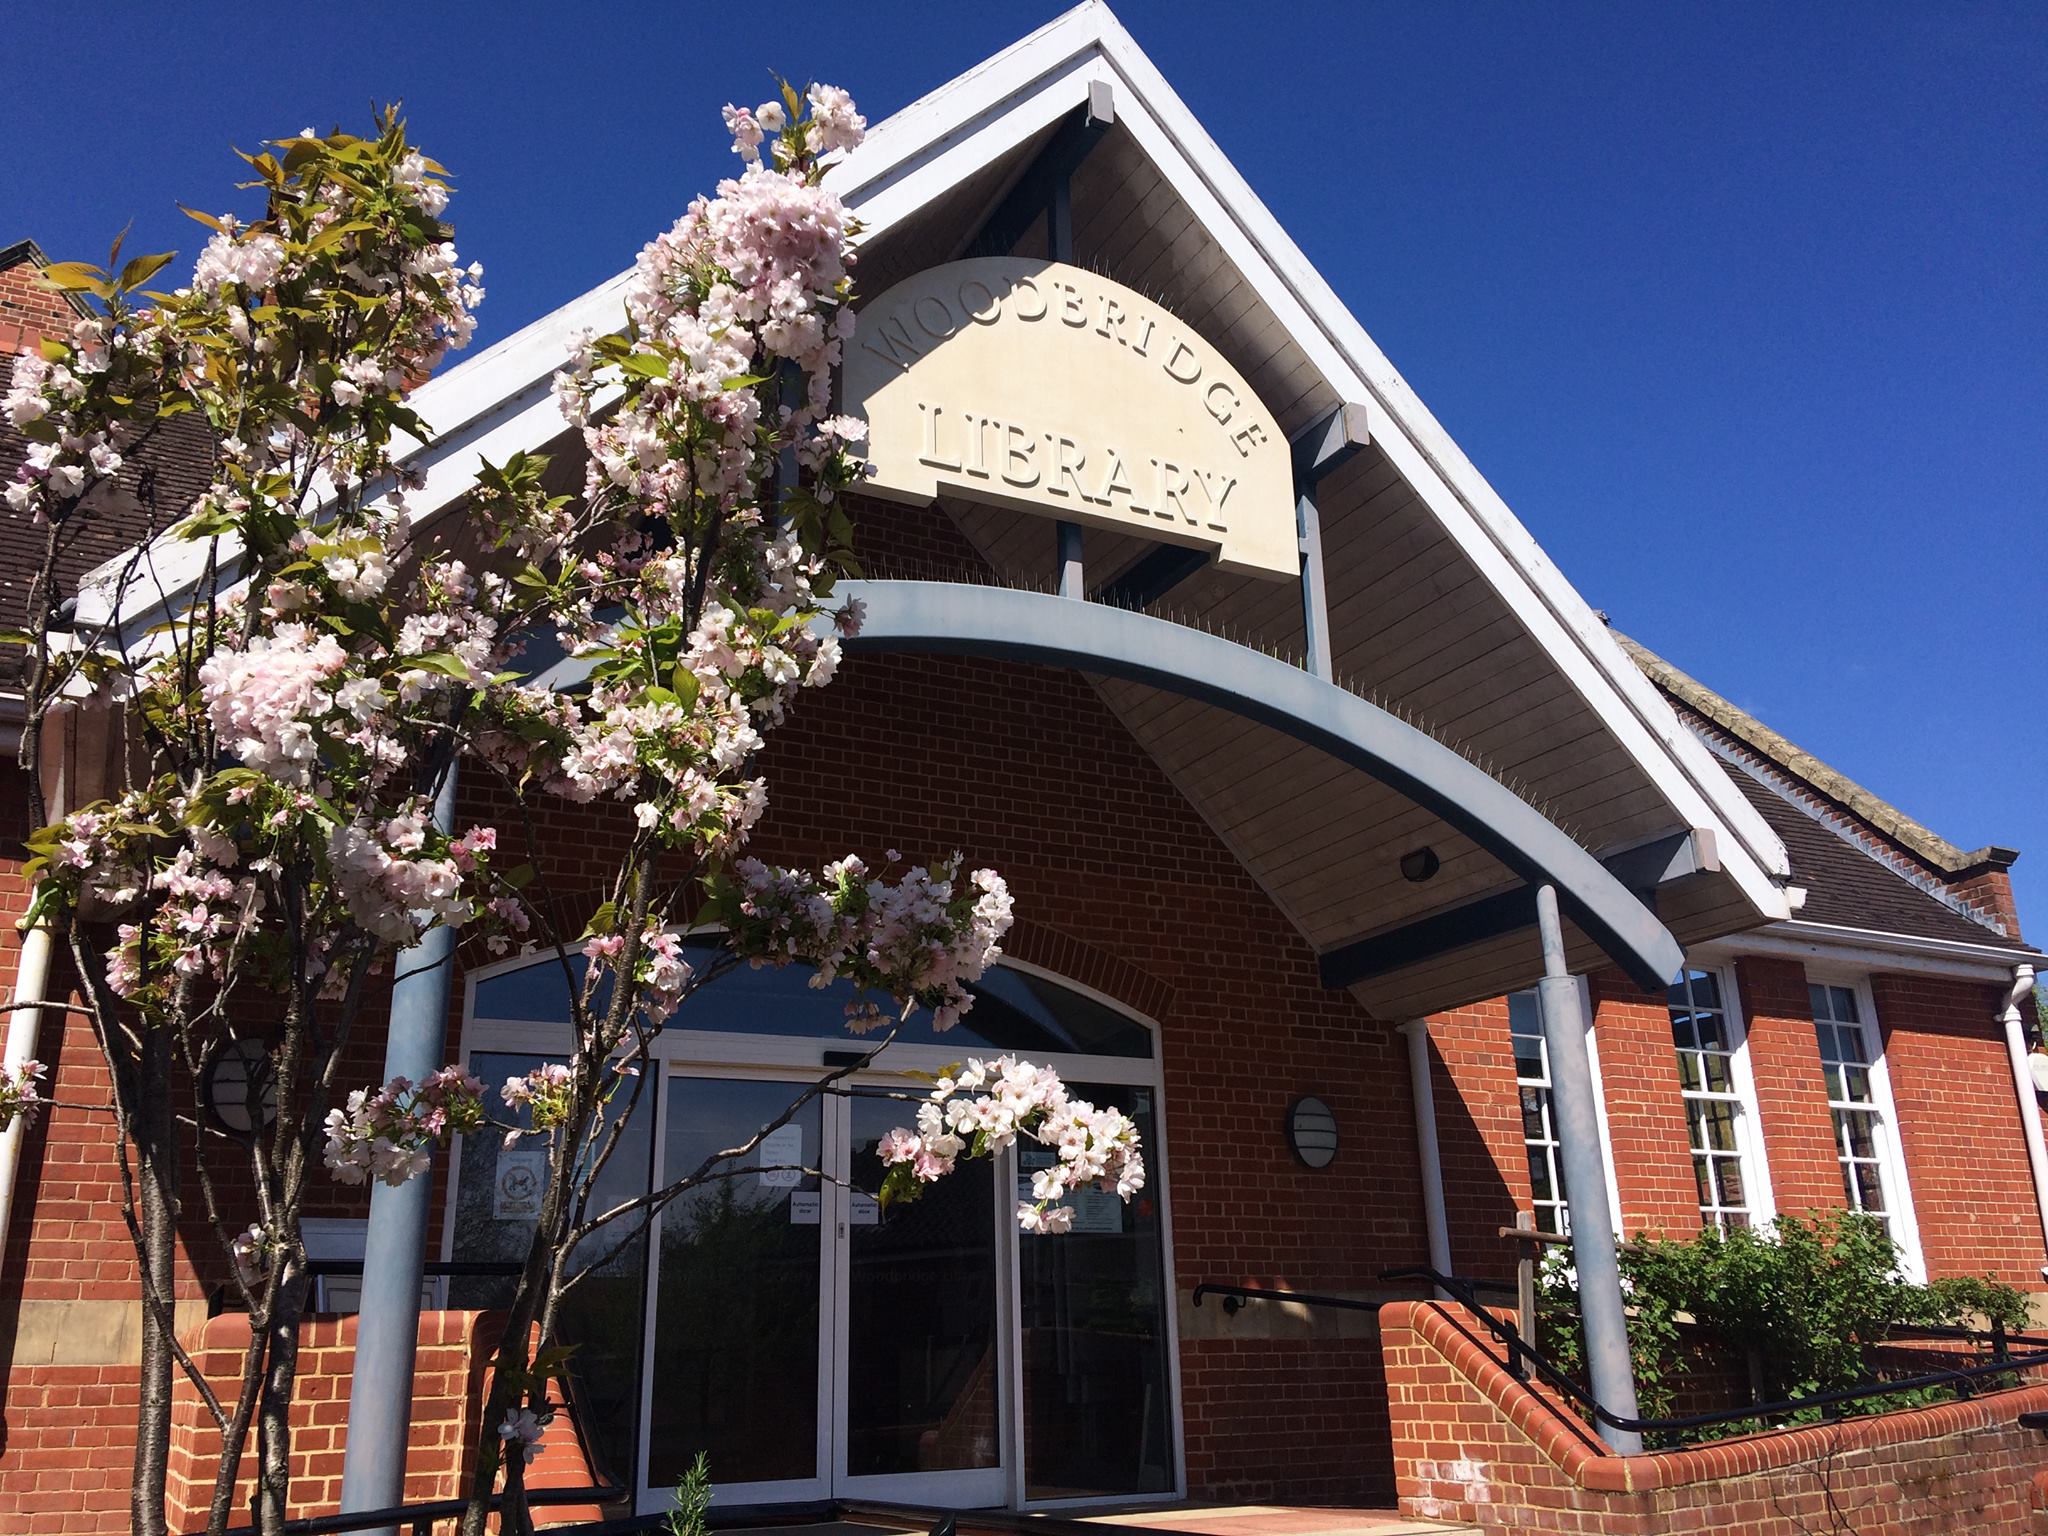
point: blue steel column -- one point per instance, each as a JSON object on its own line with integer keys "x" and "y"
{"x": 1601, "y": 1309}
{"x": 395, "y": 1250}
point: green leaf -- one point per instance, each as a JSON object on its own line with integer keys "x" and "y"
{"x": 686, "y": 686}
{"x": 75, "y": 277}
{"x": 646, "y": 365}
{"x": 143, "y": 268}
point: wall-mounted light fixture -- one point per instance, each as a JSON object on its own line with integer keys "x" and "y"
{"x": 1418, "y": 864}
{"x": 241, "y": 1086}
{"x": 1312, "y": 1132}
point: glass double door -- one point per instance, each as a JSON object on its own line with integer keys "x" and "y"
{"x": 810, "y": 1344}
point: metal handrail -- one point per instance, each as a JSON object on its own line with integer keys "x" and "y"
{"x": 1960, "y": 1379}
{"x": 1235, "y": 1296}
{"x": 420, "y": 1519}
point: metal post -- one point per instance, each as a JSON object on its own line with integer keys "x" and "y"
{"x": 1428, "y": 1154}
{"x": 395, "y": 1248}
{"x": 1601, "y": 1310}
{"x": 1315, "y": 599}
{"x": 1073, "y": 581}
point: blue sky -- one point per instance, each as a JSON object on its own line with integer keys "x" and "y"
{"x": 1743, "y": 308}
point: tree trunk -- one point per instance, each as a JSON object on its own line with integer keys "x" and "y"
{"x": 274, "y": 1429}
{"x": 156, "y": 1149}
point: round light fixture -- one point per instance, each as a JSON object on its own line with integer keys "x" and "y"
{"x": 1312, "y": 1132}
{"x": 240, "y": 1086}
{"x": 1419, "y": 864}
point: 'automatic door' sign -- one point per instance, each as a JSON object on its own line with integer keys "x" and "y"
{"x": 1050, "y": 389}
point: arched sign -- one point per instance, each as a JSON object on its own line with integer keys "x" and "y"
{"x": 1051, "y": 389}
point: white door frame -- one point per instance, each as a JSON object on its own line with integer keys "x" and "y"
{"x": 799, "y": 1059}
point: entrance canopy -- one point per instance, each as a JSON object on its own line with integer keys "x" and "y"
{"x": 1397, "y": 745}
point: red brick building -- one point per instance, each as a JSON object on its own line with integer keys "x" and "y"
{"x": 1276, "y": 837}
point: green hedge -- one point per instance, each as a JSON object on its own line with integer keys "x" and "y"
{"x": 1802, "y": 1301}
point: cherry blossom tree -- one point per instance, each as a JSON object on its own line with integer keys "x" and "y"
{"x": 289, "y": 713}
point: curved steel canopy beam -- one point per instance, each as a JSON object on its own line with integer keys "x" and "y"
{"x": 955, "y": 619}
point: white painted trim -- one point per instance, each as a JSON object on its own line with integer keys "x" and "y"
{"x": 1891, "y": 1151}
{"x": 1422, "y": 1095}
{"x": 1749, "y": 1126}
{"x": 1866, "y": 950}
{"x": 704, "y": 1053}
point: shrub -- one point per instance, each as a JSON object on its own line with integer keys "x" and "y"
{"x": 1801, "y": 1301}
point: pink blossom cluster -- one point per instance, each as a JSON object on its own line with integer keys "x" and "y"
{"x": 521, "y": 1430}
{"x": 254, "y": 1251}
{"x": 400, "y": 877}
{"x": 21, "y": 1096}
{"x": 918, "y": 939}
{"x": 986, "y": 1107}
{"x": 390, "y": 1134}
{"x": 266, "y": 699}
{"x": 544, "y": 1094}
{"x": 71, "y": 410}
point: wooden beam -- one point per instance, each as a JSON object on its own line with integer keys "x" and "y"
{"x": 1151, "y": 576}
{"x": 1042, "y": 187}
{"x": 1329, "y": 443}
{"x": 1640, "y": 870}
{"x": 1317, "y": 451}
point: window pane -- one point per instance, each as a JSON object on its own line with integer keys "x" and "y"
{"x": 1706, "y": 990}
{"x": 736, "y": 1338}
{"x": 1817, "y": 1000}
{"x": 1730, "y": 1171}
{"x": 1097, "y": 1399}
{"x": 1013, "y": 1010}
{"x": 497, "y": 1196}
{"x": 1856, "y": 1084}
{"x": 1689, "y": 1071}
{"x": 1870, "y": 1188}
{"x": 1705, "y": 1182}
{"x": 1539, "y": 1175}
{"x": 1861, "y": 1141}
{"x": 1719, "y": 1122}
{"x": 1719, "y": 1079}
{"x": 1845, "y": 1004}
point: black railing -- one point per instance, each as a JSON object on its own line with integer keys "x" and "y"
{"x": 1235, "y": 1296}
{"x": 1523, "y": 1357}
{"x": 468, "y": 1269}
{"x": 420, "y": 1519}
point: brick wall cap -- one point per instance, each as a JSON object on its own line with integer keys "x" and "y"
{"x": 1453, "y": 1332}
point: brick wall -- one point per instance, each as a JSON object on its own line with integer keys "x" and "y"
{"x": 1479, "y": 1136}
{"x": 1645, "y": 1112}
{"x": 1959, "y": 1124}
{"x": 1471, "y": 1443}
{"x": 451, "y": 1377}
{"x": 1784, "y": 1059}
{"x": 28, "y": 310}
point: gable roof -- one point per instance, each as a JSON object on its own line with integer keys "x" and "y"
{"x": 1802, "y": 765}
{"x": 1443, "y": 608}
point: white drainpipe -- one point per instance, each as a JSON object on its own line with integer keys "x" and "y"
{"x": 2023, "y": 1085}
{"x": 31, "y": 976}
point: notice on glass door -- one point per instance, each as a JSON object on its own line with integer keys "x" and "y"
{"x": 1095, "y": 1210}
{"x": 522, "y": 1176}
{"x": 781, "y": 1155}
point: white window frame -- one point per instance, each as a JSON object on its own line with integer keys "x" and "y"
{"x": 1891, "y": 1157}
{"x": 1547, "y": 1085}
{"x": 1762, "y": 1207}
{"x": 781, "y": 1056}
